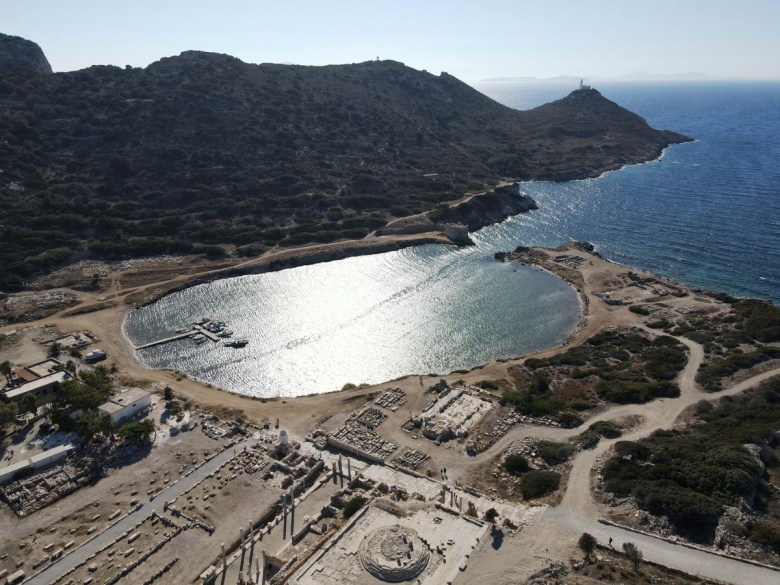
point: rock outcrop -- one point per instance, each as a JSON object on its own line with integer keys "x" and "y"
{"x": 18, "y": 56}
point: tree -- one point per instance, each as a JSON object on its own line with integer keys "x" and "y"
{"x": 138, "y": 432}
{"x": 92, "y": 423}
{"x": 168, "y": 394}
{"x": 633, "y": 554}
{"x": 8, "y": 412}
{"x": 587, "y": 544}
{"x": 54, "y": 350}
{"x": 491, "y": 515}
{"x": 6, "y": 370}
{"x": 29, "y": 403}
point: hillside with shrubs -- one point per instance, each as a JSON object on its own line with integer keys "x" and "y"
{"x": 203, "y": 153}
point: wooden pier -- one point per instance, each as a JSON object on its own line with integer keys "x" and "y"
{"x": 189, "y": 333}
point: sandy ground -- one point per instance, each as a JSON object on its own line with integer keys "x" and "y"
{"x": 519, "y": 557}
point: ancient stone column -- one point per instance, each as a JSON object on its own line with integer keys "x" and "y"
{"x": 292, "y": 516}
{"x": 341, "y": 472}
{"x": 284, "y": 508}
{"x": 243, "y": 549}
{"x": 251, "y": 550}
{"x": 349, "y": 469}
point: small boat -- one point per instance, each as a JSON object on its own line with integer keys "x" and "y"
{"x": 236, "y": 343}
{"x": 95, "y": 355}
{"x": 225, "y": 333}
{"x": 201, "y": 340}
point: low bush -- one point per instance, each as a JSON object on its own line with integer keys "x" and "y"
{"x": 554, "y": 453}
{"x": 537, "y": 484}
{"x": 606, "y": 429}
{"x": 689, "y": 476}
{"x": 515, "y": 464}
{"x": 353, "y": 505}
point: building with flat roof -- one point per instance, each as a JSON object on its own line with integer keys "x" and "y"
{"x": 39, "y": 387}
{"x": 127, "y": 404}
{"x": 34, "y": 463}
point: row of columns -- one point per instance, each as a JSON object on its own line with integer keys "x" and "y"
{"x": 260, "y": 560}
{"x": 340, "y": 473}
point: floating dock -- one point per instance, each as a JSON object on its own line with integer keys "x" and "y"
{"x": 189, "y": 333}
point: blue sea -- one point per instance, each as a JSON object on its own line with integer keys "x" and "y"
{"x": 707, "y": 214}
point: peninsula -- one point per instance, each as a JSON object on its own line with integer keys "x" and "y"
{"x": 645, "y": 449}
{"x": 204, "y": 154}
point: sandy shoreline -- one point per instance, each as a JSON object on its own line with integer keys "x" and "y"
{"x": 108, "y": 325}
{"x": 553, "y": 536}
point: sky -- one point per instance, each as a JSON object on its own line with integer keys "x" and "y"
{"x": 471, "y": 39}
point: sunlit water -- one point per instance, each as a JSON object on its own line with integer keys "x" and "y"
{"x": 707, "y": 214}
{"x": 361, "y": 320}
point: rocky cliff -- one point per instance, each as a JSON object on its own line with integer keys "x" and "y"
{"x": 18, "y": 55}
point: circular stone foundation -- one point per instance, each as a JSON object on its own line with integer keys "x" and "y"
{"x": 394, "y": 554}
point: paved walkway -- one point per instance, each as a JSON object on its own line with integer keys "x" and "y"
{"x": 694, "y": 562}
{"x": 81, "y": 554}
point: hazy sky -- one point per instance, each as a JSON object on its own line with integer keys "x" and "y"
{"x": 471, "y": 39}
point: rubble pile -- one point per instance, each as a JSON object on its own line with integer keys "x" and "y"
{"x": 370, "y": 417}
{"x": 29, "y": 494}
{"x": 357, "y": 438}
{"x": 411, "y": 458}
{"x": 392, "y": 399}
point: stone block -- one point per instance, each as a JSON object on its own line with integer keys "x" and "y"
{"x": 15, "y": 578}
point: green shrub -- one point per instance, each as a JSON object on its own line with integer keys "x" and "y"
{"x": 606, "y": 429}
{"x": 554, "y": 453}
{"x": 693, "y": 474}
{"x": 765, "y": 535}
{"x": 639, "y": 310}
{"x": 515, "y": 463}
{"x": 631, "y": 449}
{"x": 353, "y": 505}
{"x": 710, "y": 375}
{"x": 537, "y": 484}
{"x": 137, "y": 432}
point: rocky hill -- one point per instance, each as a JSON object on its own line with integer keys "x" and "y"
{"x": 205, "y": 153}
{"x": 18, "y": 55}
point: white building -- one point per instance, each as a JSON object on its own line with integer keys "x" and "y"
{"x": 127, "y": 404}
{"x": 35, "y": 462}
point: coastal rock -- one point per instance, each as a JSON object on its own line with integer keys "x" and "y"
{"x": 485, "y": 209}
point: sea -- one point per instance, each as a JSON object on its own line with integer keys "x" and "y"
{"x": 707, "y": 213}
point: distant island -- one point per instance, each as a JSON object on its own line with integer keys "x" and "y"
{"x": 204, "y": 154}
{"x": 639, "y": 76}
